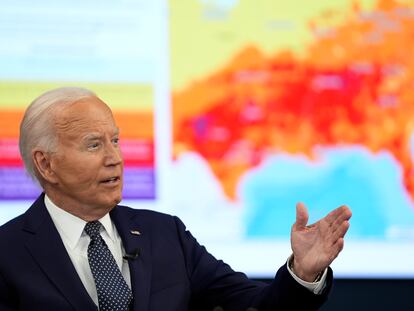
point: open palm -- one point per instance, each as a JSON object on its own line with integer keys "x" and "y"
{"x": 316, "y": 246}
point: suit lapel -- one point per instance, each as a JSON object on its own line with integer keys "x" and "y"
{"x": 134, "y": 238}
{"x": 47, "y": 249}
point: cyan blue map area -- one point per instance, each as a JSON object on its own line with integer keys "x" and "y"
{"x": 370, "y": 184}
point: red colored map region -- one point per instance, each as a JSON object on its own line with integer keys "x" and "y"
{"x": 354, "y": 86}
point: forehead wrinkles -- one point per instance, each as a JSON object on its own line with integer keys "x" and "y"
{"x": 80, "y": 122}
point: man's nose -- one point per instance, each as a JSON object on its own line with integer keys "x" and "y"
{"x": 113, "y": 155}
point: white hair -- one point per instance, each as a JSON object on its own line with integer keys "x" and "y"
{"x": 37, "y": 127}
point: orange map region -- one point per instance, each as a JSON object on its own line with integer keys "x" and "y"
{"x": 136, "y": 130}
{"x": 354, "y": 86}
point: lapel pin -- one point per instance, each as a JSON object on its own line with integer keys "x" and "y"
{"x": 135, "y": 232}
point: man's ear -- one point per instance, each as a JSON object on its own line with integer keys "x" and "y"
{"x": 42, "y": 162}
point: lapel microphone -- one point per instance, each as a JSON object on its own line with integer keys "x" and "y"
{"x": 132, "y": 255}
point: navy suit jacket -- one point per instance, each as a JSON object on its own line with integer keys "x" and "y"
{"x": 172, "y": 272}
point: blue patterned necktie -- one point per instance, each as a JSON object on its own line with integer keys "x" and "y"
{"x": 113, "y": 292}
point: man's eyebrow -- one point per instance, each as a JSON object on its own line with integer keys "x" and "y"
{"x": 95, "y": 136}
{"x": 92, "y": 136}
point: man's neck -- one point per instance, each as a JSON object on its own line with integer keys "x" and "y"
{"x": 85, "y": 212}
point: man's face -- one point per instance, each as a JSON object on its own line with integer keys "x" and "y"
{"x": 87, "y": 165}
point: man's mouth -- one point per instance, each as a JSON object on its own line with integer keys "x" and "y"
{"x": 111, "y": 180}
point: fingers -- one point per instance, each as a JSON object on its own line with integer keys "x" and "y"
{"x": 340, "y": 226}
{"x": 335, "y": 225}
{"x": 302, "y": 216}
{"x": 338, "y": 215}
{"x": 339, "y": 231}
{"x": 335, "y": 250}
{"x": 338, "y": 247}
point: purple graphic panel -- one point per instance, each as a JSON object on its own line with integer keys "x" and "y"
{"x": 139, "y": 183}
{"x": 16, "y": 184}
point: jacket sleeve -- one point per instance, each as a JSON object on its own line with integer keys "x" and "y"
{"x": 215, "y": 284}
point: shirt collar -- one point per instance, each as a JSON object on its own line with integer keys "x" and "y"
{"x": 72, "y": 226}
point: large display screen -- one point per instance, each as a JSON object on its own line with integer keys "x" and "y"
{"x": 231, "y": 111}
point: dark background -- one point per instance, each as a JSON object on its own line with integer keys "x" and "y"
{"x": 367, "y": 295}
{"x": 370, "y": 295}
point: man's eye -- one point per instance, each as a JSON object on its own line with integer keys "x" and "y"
{"x": 115, "y": 141}
{"x": 93, "y": 146}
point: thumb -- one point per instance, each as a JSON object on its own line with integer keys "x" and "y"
{"x": 302, "y": 216}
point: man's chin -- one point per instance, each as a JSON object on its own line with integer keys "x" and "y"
{"x": 110, "y": 202}
{"x": 118, "y": 200}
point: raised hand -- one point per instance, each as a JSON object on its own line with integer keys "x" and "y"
{"x": 316, "y": 246}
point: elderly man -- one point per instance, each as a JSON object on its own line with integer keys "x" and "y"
{"x": 77, "y": 249}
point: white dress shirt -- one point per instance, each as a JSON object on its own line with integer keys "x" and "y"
{"x": 76, "y": 242}
{"x": 315, "y": 287}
